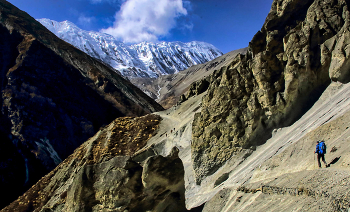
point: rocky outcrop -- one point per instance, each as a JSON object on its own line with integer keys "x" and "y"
{"x": 299, "y": 50}
{"x": 54, "y": 97}
{"x": 102, "y": 175}
{"x": 195, "y": 89}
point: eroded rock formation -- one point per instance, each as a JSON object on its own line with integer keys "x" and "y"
{"x": 299, "y": 50}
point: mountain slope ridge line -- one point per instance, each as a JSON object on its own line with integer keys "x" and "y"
{"x": 136, "y": 60}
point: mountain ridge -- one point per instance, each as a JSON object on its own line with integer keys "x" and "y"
{"x": 144, "y": 59}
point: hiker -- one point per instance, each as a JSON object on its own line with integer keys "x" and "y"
{"x": 321, "y": 150}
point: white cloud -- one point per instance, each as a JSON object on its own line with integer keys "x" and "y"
{"x": 145, "y": 20}
{"x": 188, "y": 26}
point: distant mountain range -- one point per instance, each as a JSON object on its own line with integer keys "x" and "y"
{"x": 138, "y": 60}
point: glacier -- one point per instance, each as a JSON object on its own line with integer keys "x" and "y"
{"x": 144, "y": 59}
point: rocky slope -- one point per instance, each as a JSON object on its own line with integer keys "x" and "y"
{"x": 283, "y": 175}
{"x": 290, "y": 62}
{"x": 105, "y": 174}
{"x": 229, "y": 160}
{"x": 246, "y": 142}
{"x": 54, "y": 97}
{"x": 283, "y": 165}
{"x": 167, "y": 89}
{"x": 139, "y": 60}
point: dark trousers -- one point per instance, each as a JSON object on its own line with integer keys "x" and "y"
{"x": 319, "y": 156}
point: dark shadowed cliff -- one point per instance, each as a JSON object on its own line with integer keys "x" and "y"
{"x": 54, "y": 97}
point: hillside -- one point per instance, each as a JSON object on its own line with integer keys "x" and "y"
{"x": 283, "y": 173}
{"x": 103, "y": 167}
{"x": 271, "y": 174}
{"x": 54, "y": 97}
{"x": 290, "y": 62}
{"x": 240, "y": 139}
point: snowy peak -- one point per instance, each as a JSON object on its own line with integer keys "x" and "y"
{"x": 139, "y": 60}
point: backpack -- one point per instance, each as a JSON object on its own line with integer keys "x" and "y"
{"x": 322, "y": 148}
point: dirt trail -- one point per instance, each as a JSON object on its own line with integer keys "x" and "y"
{"x": 334, "y": 103}
{"x": 287, "y": 158}
{"x": 287, "y": 146}
{"x": 176, "y": 127}
{"x": 179, "y": 117}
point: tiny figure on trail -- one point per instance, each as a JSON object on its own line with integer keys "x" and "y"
{"x": 171, "y": 131}
{"x": 166, "y": 135}
{"x": 321, "y": 150}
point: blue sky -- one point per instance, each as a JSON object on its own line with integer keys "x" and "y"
{"x": 227, "y": 24}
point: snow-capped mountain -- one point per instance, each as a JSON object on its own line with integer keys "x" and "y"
{"x": 139, "y": 60}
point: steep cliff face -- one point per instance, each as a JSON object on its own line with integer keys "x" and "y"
{"x": 282, "y": 174}
{"x": 299, "y": 50}
{"x": 54, "y": 97}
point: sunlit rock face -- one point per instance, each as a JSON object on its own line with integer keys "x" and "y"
{"x": 299, "y": 50}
